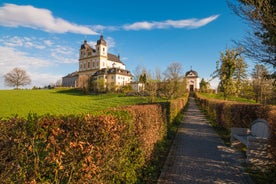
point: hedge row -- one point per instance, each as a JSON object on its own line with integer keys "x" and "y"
{"x": 110, "y": 147}
{"x": 232, "y": 114}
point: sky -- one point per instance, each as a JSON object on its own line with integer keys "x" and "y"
{"x": 44, "y": 37}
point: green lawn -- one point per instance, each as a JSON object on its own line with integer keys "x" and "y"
{"x": 231, "y": 98}
{"x": 58, "y": 101}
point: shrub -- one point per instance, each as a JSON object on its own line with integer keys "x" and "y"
{"x": 107, "y": 147}
{"x": 234, "y": 114}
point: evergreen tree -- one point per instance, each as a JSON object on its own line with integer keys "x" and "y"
{"x": 203, "y": 85}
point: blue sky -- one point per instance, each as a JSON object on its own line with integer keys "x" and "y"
{"x": 44, "y": 37}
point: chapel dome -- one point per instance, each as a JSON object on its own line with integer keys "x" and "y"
{"x": 191, "y": 73}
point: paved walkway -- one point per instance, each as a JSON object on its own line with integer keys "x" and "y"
{"x": 198, "y": 155}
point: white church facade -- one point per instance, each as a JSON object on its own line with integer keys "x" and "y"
{"x": 98, "y": 64}
{"x": 192, "y": 80}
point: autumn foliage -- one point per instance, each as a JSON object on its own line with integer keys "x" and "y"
{"x": 110, "y": 147}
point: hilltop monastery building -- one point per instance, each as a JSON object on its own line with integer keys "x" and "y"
{"x": 98, "y": 64}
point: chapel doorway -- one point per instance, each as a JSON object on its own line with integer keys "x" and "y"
{"x": 191, "y": 88}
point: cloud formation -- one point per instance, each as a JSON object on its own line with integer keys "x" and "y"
{"x": 26, "y": 42}
{"x": 184, "y": 23}
{"x": 12, "y": 15}
{"x": 59, "y": 53}
{"x": 15, "y": 58}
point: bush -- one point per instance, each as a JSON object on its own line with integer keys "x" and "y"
{"x": 107, "y": 147}
{"x": 233, "y": 114}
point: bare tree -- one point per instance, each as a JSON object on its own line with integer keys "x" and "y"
{"x": 58, "y": 83}
{"x": 173, "y": 76}
{"x": 262, "y": 87}
{"x": 139, "y": 70}
{"x": 158, "y": 76}
{"x": 174, "y": 71}
{"x": 17, "y": 77}
{"x": 260, "y": 43}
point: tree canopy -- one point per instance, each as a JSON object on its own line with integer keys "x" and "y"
{"x": 260, "y": 43}
{"x": 17, "y": 77}
{"x": 231, "y": 70}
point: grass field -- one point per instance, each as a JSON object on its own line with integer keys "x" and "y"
{"x": 231, "y": 98}
{"x": 58, "y": 101}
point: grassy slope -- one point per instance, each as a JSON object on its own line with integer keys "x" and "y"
{"x": 22, "y": 102}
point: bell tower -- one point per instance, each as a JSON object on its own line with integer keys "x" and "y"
{"x": 101, "y": 47}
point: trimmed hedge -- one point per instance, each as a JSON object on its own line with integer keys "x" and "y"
{"x": 107, "y": 147}
{"x": 232, "y": 114}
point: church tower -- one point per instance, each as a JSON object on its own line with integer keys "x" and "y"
{"x": 101, "y": 47}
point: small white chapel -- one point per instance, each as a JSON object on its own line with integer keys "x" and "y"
{"x": 192, "y": 80}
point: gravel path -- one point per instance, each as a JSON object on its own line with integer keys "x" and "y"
{"x": 198, "y": 155}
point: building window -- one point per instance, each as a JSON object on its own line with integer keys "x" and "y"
{"x": 88, "y": 64}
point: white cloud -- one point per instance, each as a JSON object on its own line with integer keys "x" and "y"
{"x": 63, "y": 50}
{"x": 12, "y": 15}
{"x": 48, "y": 42}
{"x": 60, "y": 58}
{"x": 110, "y": 42}
{"x": 92, "y": 43}
{"x": 101, "y": 28}
{"x": 26, "y": 42}
{"x": 10, "y": 58}
{"x": 13, "y": 42}
{"x": 185, "y": 23}
{"x": 64, "y": 54}
{"x": 54, "y": 53}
